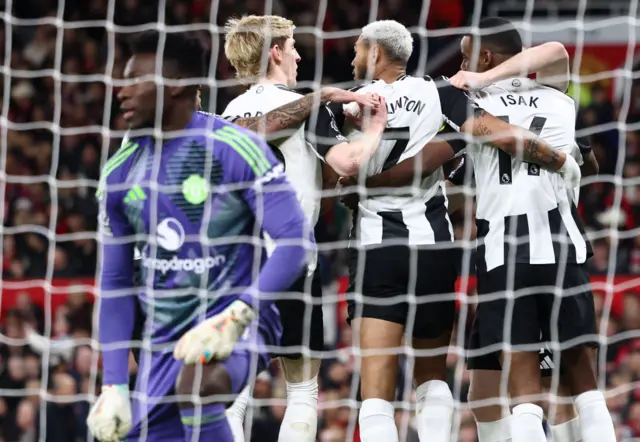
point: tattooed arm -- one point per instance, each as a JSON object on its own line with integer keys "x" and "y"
{"x": 514, "y": 140}
{"x": 464, "y": 115}
{"x": 295, "y": 113}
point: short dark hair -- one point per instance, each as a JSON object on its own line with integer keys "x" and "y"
{"x": 499, "y": 35}
{"x": 185, "y": 54}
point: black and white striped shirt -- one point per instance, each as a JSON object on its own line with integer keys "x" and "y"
{"x": 417, "y": 109}
{"x": 523, "y": 213}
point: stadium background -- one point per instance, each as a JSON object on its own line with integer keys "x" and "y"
{"x": 49, "y": 249}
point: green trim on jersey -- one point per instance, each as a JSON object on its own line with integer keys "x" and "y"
{"x": 126, "y": 150}
{"x": 245, "y": 147}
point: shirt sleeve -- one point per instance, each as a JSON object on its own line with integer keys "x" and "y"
{"x": 275, "y": 207}
{"x": 459, "y": 174}
{"x": 584, "y": 145}
{"x": 326, "y": 132}
{"x": 117, "y": 296}
{"x": 457, "y": 106}
{"x": 454, "y": 138}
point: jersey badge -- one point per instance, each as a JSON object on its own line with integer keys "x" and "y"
{"x": 516, "y": 83}
{"x": 195, "y": 189}
{"x": 260, "y": 89}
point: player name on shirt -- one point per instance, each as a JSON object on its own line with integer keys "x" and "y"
{"x": 514, "y": 100}
{"x": 417, "y": 109}
{"x": 519, "y": 205}
{"x": 405, "y": 103}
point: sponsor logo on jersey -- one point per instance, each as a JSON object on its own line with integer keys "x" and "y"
{"x": 170, "y": 236}
{"x": 135, "y": 195}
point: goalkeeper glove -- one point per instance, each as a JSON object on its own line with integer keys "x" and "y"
{"x": 110, "y": 417}
{"x": 215, "y": 337}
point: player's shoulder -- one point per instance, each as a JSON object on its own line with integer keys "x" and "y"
{"x": 122, "y": 157}
{"x": 525, "y": 84}
{"x": 116, "y": 167}
{"x": 227, "y": 131}
{"x": 261, "y": 98}
{"x": 242, "y": 149}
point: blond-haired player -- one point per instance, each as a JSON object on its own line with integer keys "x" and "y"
{"x": 262, "y": 51}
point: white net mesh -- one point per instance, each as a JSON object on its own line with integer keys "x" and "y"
{"x": 62, "y": 67}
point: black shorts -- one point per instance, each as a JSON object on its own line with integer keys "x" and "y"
{"x": 388, "y": 276}
{"x": 302, "y": 322}
{"x": 532, "y": 317}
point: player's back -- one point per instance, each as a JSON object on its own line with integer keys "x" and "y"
{"x": 300, "y": 161}
{"x": 414, "y": 118}
{"x": 518, "y": 198}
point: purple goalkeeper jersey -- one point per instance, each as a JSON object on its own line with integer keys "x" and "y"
{"x": 193, "y": 208}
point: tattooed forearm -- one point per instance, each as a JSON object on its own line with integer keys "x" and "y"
{"x": 541, "y": 154}
{"x": 482, "y": 130}
{"x": 516, "y": 141}
{"x": 285, "y": 117}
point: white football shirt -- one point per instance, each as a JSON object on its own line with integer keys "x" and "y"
{"x": 417, "y": 109}
{"x": 519, "y": 203}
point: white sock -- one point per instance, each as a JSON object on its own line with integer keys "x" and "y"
{"x": 377, "y": 421}
{"x": 300, "y": 422}
{"x": 235, "y": 415}
{"x": 526, "y": 424}
{"x": 567, "y": 431}
{"x": 434, "y": 410}
{"x": 595, "y": 421}
{"x": 496, "y": 431}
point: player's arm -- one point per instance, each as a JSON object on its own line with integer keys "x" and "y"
{"x": 117, "y": 298}
{"x": 110, "y": 417}
{"x": 590, "y": 164}
{"x": 295, "y": 113}
{"x": 432, "y": 156}
{"x": 249, "y": 162}
{"x": 550, "y": 62}
{"x": 344, "y": 156}
{"x": 464, "y": 115}
{"x": 453, "y": 186}
{"x": 275, "y": 205}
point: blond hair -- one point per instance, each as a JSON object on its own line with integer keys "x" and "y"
{"x": 246, "y": 38}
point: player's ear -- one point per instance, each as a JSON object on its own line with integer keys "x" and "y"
{"x": 375, "y": 53}
{"x": 485, "y": 58}
{"x": 276, "y": 53}
{"x": 177, "y": 90}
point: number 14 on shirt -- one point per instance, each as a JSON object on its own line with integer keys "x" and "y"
{"x": 505, "y": 168}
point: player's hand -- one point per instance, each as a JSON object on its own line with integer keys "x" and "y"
{"x": 466, "y": 80}
{"x": 378, "y": 119}
{"x": 337, "y": 95}
{"x": 571, "y": 175}
{"x": 215, "y": 337}
{"x": 110, "y": 417}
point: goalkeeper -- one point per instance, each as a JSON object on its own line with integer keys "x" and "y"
{"x": 191, "y": 237}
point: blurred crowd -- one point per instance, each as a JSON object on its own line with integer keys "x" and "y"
{"x": 50, "y": 183}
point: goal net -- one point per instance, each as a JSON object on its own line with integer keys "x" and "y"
{"x": 62, "y": 66}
